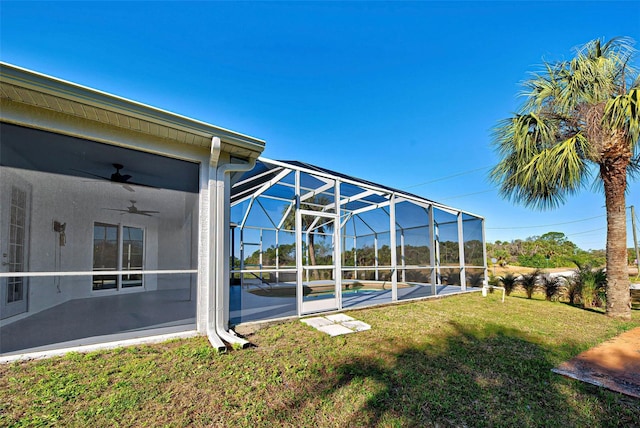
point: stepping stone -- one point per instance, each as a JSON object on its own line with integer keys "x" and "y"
{"x": 356, "y": 325}
{"x": 337, "y": 324}
{"x": 335, "y": 330}
{"x": 339, "y": 318}
{"x": 317, "y": 322}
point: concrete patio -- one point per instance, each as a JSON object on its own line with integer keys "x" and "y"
{"x": 245, "y": 306}
{"x": 96, "y": 320}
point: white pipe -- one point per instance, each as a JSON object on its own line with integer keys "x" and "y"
{"x": 221, "y": 297}
{"x": 486, "y": 287}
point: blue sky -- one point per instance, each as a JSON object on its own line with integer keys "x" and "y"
{"x": 400, "y": 93}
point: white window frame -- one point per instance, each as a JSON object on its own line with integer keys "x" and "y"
{"x": 120, "y": 270}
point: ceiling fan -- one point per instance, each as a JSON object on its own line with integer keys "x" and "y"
{"x": 132, "y": 209}
{"x": 116, "y": 177}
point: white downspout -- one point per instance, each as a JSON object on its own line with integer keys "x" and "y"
{"x": 211, "y": 261}
{"x": 221, "y": 244}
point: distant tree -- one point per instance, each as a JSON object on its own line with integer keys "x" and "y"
{"x": 578, "y": 114}
{"x": 552, "y": 249}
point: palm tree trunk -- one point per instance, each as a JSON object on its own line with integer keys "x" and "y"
{"x": 312, "y": 256}
{"x": 614, "y": 176}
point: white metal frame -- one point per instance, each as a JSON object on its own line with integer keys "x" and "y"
{"x": 372, "y": 197}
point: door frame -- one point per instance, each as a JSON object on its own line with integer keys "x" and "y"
{"x": 320, "y": 305}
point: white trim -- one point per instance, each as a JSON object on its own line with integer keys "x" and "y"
{"x": 99, "y": 346}
{"x": 94, "y": 272}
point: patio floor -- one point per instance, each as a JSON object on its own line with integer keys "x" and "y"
{"x": 246, "y": 306}
{"x": 118, "y": 317}
{"x": 100, "y": 319}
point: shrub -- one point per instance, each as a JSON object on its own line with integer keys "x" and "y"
{"x": 509, "y": 282}
{"x": 494, "y": 281}
{"x": 574, "y": 290}
{"x": 451, "y": 277}
{"x": 475, "y": 279}
{"x": 529, "y": 282}
{"x": 552, "y": 286}
{"x": 588, "y": 292}
{"x": 591, "y": 284}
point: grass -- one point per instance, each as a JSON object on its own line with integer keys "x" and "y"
{"x": 459, "y": 361}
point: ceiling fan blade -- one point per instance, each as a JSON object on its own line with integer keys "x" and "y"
{"x": 89, "y": 173}
{"x": 115, "y": 178}
{"x": 132, "y": 209}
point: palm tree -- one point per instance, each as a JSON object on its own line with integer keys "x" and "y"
{"x": 509, "y": 282}
{"x": 552, "y": 286}
{"x": 316, "y": 204}
{"x": 579, "y": 116}
{"x": 529, "y": 281}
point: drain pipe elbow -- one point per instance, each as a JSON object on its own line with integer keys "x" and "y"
{"x": 215, "y": 340}
{"x": 222, "y": 273}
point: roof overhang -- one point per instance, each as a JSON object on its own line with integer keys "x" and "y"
{"x": 19, "y": 85}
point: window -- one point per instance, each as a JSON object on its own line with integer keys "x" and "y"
{"x": 17, "y": 241}
{"x": 117, "y": 248}
{"x": 132, "y": 246}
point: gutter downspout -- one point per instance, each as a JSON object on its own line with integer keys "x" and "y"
{"x": 221, "y": 245}
{"x": 213, "y": 337}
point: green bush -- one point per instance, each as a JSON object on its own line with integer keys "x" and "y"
{"x": 588, "y": 292}
{"x": 552, "y": 285}
{"x": 529, "y": 282}
{"x": 475, "y": 279}
{"x": 573, "y": 291}
{"x": 590, "y": 284}
{"x": 451, "y": 277}
{"x": 509, "y": 282}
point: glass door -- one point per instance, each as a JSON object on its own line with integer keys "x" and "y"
{"x": 14, "y": 220}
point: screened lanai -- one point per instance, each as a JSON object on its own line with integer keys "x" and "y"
{"x": 306, "y": 239}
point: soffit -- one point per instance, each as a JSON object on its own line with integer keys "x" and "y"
{"x": 45, "y": 92}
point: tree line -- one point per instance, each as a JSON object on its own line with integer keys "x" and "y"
{"x": 550, "y": 250}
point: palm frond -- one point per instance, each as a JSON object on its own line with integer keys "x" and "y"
{"x": 538, "y": 172}
{"x": 623, "y": 113}
{"x": 634, "y": 168}
{"x": 572, "y": 112}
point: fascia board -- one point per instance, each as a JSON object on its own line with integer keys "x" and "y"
{"x": 63, "y": 89}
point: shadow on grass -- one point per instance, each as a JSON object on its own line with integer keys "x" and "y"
{"x": 484, "y": 376}
{"x": 595, "y": 310}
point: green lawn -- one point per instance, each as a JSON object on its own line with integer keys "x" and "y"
{"x": 458, "y": 361}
